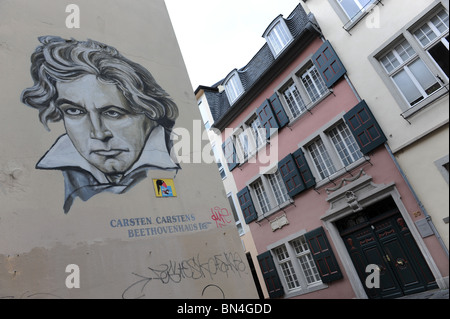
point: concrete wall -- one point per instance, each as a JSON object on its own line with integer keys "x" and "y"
{"x": 126, "y": 245}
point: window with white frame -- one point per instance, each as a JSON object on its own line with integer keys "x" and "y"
{"x": 294, "y": 100}
{"x": 296, "y": 264}
{"x": 279, "y": 37}
{"x": 314, "y": 84}
{"x": 262, "y": 197}
{"x": 270, "y": 192}
{"x": 258, "y": 134}
{"x": 332, "y": 150}
{"x": 417, "y": 61}
{"x": 306, "y": 260}
{"x": 321, "y": 158}
{"x": 345, "y": 144}
{"x": 278, "y": 187}
{"x": 287, "y": 268}
{"x": 249, "y": 137}
{"x": 409, "y": 73}
{"x": 235, "y": 214}
{"x": 433, "y": 36}
{"x": 354, "y": 8}
{"x": 234, "y": 88}
{"x": 222, "y": 171}
{"x": 243, "y": 144}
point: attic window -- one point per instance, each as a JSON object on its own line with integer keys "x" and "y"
{"x": 233, "y": 87}
{"x": 278, "y": 36}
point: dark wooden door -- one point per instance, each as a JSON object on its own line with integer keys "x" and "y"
{"x": 365, "y": 249}
{"x": 388, "y": 243}
{"x": 404, "y": 256}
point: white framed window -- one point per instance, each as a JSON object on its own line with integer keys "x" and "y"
{"x": 278, "y": 187}
{"x": 416, "y": 62}
{"x": 249, "y": 137}
{"x": 258, "y": 134}
{"x": 287, "y": 269}
{"x": 294, "y": 100}
{"x": 354, "y": 8}
{"x": 220, "y": 166}
{"x": 235, "y": 214}
{"x": 322, "y": 160}
{"x": 332, "y": 151}
{"x": 345, "y": 144}
{"x": 409, "y": 73}
{"x": 433, "y": 36}
{"x": 306, "y": 260}
{"x": 233, "y": 87}
{"x": 297, "y": 269}
{"x": 262, "y": 197}
{"x": 270, "y": 192}
{"x": 278, "y": 36}
{"x": 302, "y": 91}
{"x": 243, "y": 143}
{"x": 313, "y": 83}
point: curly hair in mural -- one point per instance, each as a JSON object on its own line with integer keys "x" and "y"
{"x": 118, "y": 119}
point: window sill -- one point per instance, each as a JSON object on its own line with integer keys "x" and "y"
{"x": 274, "y": 210}
{"x": 294, "y": 120}
{"x": 341, "y": 172}
{"x": 309, "y": 289}
{"x": 352, "y": 23}
{"x": 425, "y": 103}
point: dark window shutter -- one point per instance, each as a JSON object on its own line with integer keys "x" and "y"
{"x": 229, "y": 152}
{"x": 267, "y": 117}
{"x": 291, "y": 176}
{"x": 323, "y": 255}
{"x": 279, "y": 111}
{"x": 270, "y": 275}
{"x": 303, "y": 167}
{"x": 247, "y": 207}
{"x": 365, "y": 128}
{"x": 328, "y": 64}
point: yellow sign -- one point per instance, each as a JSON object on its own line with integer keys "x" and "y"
{"x": 164, "y": 187}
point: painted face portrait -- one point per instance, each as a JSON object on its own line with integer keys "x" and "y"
{"x": 101, "y": 125}
{"x": 118, "y": 120}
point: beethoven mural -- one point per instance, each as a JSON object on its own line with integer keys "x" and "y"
{"x": 118, "y": 120}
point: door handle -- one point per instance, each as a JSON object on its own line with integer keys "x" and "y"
{"x": 401, "y": 262}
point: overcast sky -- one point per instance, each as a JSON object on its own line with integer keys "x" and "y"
{"x": 217, "y": 36}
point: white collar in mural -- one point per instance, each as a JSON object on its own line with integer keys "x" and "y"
{"x": 63, "y": 154}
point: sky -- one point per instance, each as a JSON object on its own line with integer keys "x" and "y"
{"x": 218, "y": 36}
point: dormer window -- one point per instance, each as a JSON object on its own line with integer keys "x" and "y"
{"x": 278, "y": 36}
{"x": 233, "y": 87}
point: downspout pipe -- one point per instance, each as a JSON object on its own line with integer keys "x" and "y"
{"x": 422, "y": 208}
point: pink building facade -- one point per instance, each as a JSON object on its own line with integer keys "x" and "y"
{"x": 330, "y": 213}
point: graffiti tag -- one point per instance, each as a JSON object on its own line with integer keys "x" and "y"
{"x": 194, "y": 268}
{"x": 221, "y": 216}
